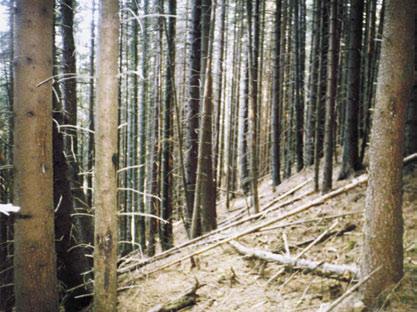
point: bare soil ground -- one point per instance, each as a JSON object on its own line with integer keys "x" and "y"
{"x": 235, "y": 283}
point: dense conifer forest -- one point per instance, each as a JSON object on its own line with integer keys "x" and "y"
{"x": 208, "y": 155}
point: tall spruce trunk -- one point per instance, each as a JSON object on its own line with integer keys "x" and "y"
{"x": 313, "y": 80}
{"x": 140, "y": 234}
{"x": 106, "y": 161}
{"x": 351, "y": 161}
{"x": 298, "y": 98}
{"x": 276, "y": 117}
{"x": 35, "y": 281}
{"x": 253, "y": 15}
{"x": 192, "y": 110}
{"x": 166, "y": 235}
{"x": 383, "y": 241}
{"x": 332, "y": 69}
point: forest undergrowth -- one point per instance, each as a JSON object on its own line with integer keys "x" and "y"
{"x": 228, "y": 281}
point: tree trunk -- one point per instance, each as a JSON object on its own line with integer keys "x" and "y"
{"x": 34, "y": 248}
{"x": 106, "y": 162}
{"x": 140, "y": 235}
{"x": 276, "y": 117}
{"x": 192, "y": 110}
{"x": 383, "y": 242}
{"x": 167, "y": 161}
{"x": 91, "y": 108}
{"x": 411, "y": 122}
{"x": 332, "y": 65}
{"x": 298, "y": 100}
{"x": 313, "y": 81}
{"x": 321, "y": 89}
{"x": 351, "y": 162}
{"x": 254, "y": 43}
{"x": 243, "y": 128}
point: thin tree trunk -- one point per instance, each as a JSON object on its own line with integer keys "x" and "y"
{"x": 166, "y": 235}
{"x": 192, "y": 109}
{"x": 332, "y": 64}
{"x": 254, "y": 42}
{"x": 106, "y": 161}
{"x": 276, "y": 117}
{"x": 351, "y": 161}
{"x": 299, "y": 102}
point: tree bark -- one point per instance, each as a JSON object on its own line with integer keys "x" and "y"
{"x": 351, "y": 162}
{"x": 276, "y": 117}
{"x": 34, "y": 248}
{"x": 192, "y": 109}
{"x": 106, "y": 162}
{"x": 166, "y": 235}
{"x": 383, "y": 242}
{"x": 332, "y": 66}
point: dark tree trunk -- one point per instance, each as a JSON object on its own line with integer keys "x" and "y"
{"x": 411, "y": 121}
{"x": 298, "y": 100}
{"x": 276, "y": 117}
{"x": 167, "y": 161}
{"x": 243, "y": 129}
{"x": 321, "y": 91}
{"x": 332, "y": 66}
{"x": 192, "y": 109}
{"x": 351, "y": 161}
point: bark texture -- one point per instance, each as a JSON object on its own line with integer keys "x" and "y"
{"x": 351, "y": 136}
{"x": 34, "y": 248}
{"x": 383, "y": 244}
{"x": 105, "y": 196}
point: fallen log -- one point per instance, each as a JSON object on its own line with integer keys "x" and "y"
{"x": 317, "y": 202}
{"x": 186, "y": 300}
{"x": 126, "y": 267}
{"x": 348, "y": 228}
{"x": 286, "y": 194}
{"x": 322, "y": 268}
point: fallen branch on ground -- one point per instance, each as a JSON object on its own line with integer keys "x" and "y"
{"x": 321, "y": 268}
{"x": 286, "y": 194}
{"x": 328, "y": 308}
{"x": 125, "y": 267}
{"x": 317, "y": 202}
{"x": 304, "y": 251}
{"x": 186, "y": 300}
{"x": 348, "y": 228}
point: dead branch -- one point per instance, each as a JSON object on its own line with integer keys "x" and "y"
{"x": 286, "y": 194}
{"x": 186, "y": 300}
{"x": 322, "y": 268}
{"x": 348, "y": 228}
{"x": 125, "y": 267}
{"x": 316, "y": 202}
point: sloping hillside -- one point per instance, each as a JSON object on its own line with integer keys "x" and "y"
{"x": 328, "y": 231}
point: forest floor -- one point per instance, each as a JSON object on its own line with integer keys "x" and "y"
{"x": 232, "y": 282}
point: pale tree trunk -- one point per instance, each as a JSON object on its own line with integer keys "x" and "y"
{"x": 383, "y": 242}
{"x": 105, "y": 196}
{"x": 34, "y": 248}
{"x": 254, "y": 42}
